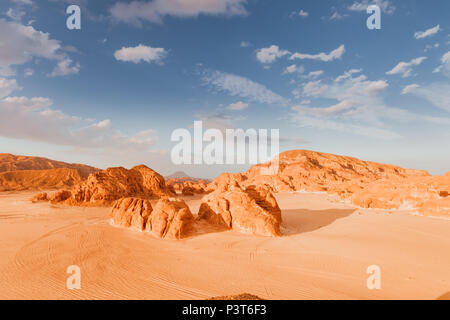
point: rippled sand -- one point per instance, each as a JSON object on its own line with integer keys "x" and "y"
{"x": 324, "y": 254}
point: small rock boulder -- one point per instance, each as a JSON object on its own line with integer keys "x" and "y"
{"x": 40, "y": 197}
{"x": 170, "y": 219}
{"x": 60, "y": 196}
{"x": 131, "y": 213}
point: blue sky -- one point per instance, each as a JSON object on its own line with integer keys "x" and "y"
{"x": 113, "y": 92}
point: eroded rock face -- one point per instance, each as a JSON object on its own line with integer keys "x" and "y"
{"x": 170, "y": 219}
{"x": 39, "y": 179}
{"x": 10, "y": 162}
{"x": 188, "y": 191}
{"x": 225, "y": 180}
{"x": 60, "y": 196}
{"x": 131, "y": 213}
{"x": 363, "y": 183}
{"x": 40, "y": 197}
{"x": 426, "y": 195}
{"x": 303, "y": 170}
{"x": 251, "y": 210}
{"x": 105, "y": 187}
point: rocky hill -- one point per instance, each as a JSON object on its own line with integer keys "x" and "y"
{"x": 105, "y": 187}
{"x": 364, "y": 183}
{"x": 10, "y": 162}
{"x": 39, "y": 179}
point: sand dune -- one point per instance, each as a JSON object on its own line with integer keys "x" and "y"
{"x": 324, "y": 253}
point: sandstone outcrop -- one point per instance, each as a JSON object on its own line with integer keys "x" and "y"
{"x": 169, "y": 219}
{"x": 10, "y": 162}
{"x": 251, "y": 210}
{"x": 186, "y": 185}
{"x": 426, "y": 195}
{"x": 131, "y": 213}
{"x": 315, "y": 171}
{"x": 364, "y": 183}
{"x": 60, "y": 196}
{"x": 104, "y": 187}
{"x": 39, "y": 179}
{"x": 40, "y": 197}
{"x": 242, "y": 296}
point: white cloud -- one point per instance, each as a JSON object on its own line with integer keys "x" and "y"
{"x": 314, "y": 88}
{"x": 405, "y": 68}
{"x": 302, "y": 13}
{"x": 359, "y": 108}
{"x": 245, "y": 44}
{"x": 438, "y": 93}
{"x": 384, "y": 5}
{"x": 429, "y": 46}
{"x": 238, "y": 86}
{"x": 427, "y": 33}
{"x": 347, "y": 74}
{"x": 335, "y": 54}
{"x": 7, "y": 86}
{"x": 15, "y": 14}
{"x": 410, "y": 88}
{"x": 25, "y": 43}
{"x": 140, "y": 53}
{"x": 337, "y": 16}
{"x": 294, "y": 69}
{"x": 446, "y": 58}
{"x": 28, "y": 72}
{"x": 65, "y": 67}
{"x": 270, "y": 54}
{"x": 352, "y": 128}
{"x": 238, "y": 106}
{"x": 24, "y": 2}
{"x": 33, "y": 119}
{"x": 315, "y": 74}
{"x": 445, "y": 64}
{"x": 153, "y": 11}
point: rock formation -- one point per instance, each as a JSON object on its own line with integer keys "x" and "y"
{"x": 316, "y": 171}
{"x": 10, "y": 162}
{"x": 104, "y": 187}
{"x": 170, "y": 219}
{"x": 426, "y": 195}
{"x": 242, "y": 296}
{"x": 186, "y": 185}
{"x": 363, "y": 183}
{"x": 40, "y": 197}
{"x": 131, "y": 213}
{"x": 39, "y": 179}
{"x": 252, "y": 210}
{"x": 60, "y": 196}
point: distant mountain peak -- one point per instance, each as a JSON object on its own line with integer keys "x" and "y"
{"x": 178, "y": 175}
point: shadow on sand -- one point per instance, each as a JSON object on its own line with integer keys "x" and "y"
{"x": 298, "y": 221}
{"x": 445, "y": 296}
{"x": 295, "y": 221}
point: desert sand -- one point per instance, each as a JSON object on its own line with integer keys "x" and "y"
{"x": 323, "y": 253}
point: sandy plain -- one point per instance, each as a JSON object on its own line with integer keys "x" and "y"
{"x": 324, "y": 253}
